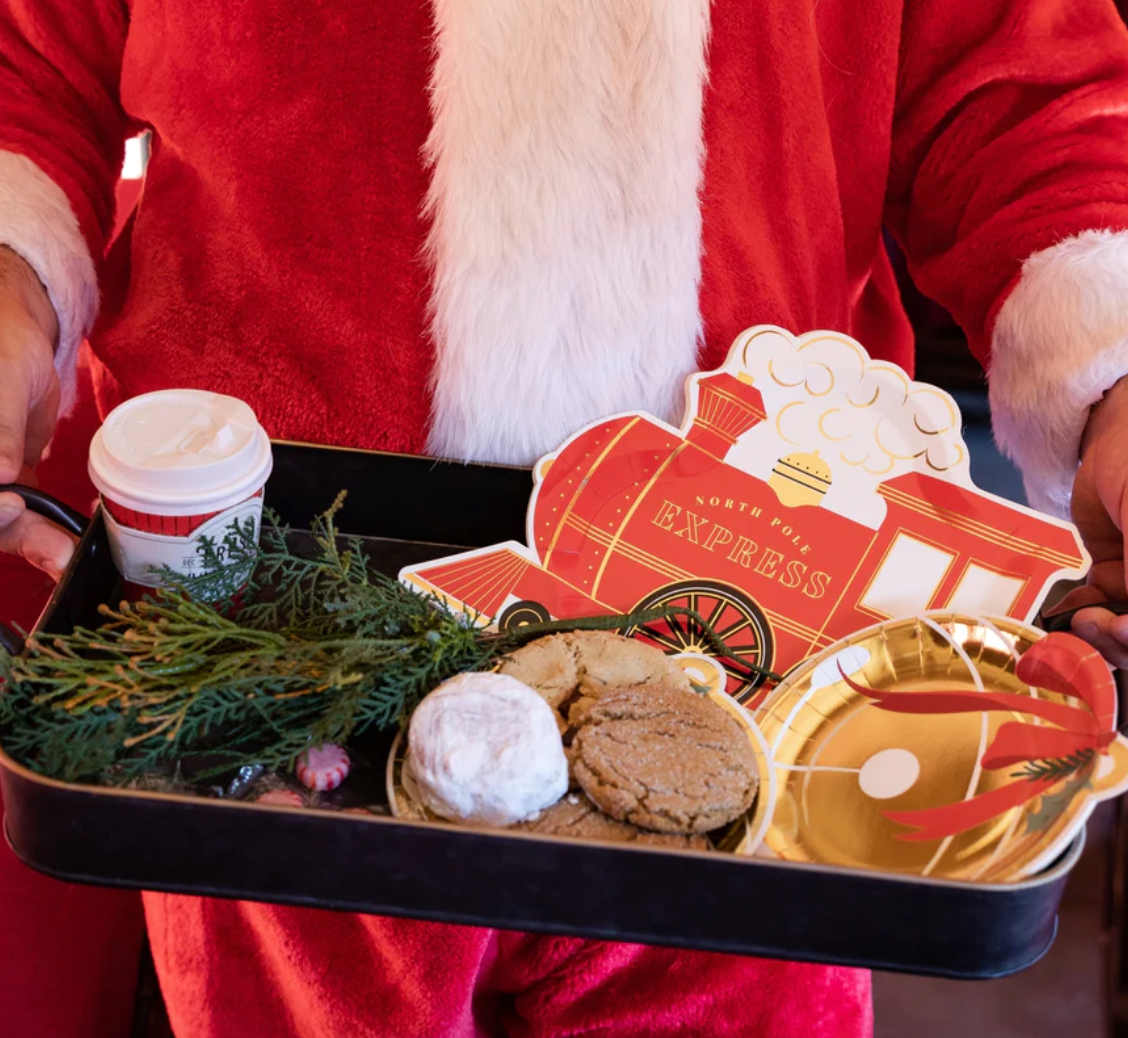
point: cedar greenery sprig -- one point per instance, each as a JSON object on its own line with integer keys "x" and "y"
{"x": 298, "y": 650}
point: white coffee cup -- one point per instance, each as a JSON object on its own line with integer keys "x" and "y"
{"x": 173, "y": 467}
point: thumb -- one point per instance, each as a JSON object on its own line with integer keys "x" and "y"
{"x": 39, "y": 541}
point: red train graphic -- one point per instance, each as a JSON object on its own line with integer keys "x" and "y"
{"x": 631, "y": 513}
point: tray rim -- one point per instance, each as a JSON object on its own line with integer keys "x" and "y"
{"x": 95, "y": 515}
{"x": 432, "y": 458}
{"x": 1061, "y": 867}
{"x": 885, "y": 966}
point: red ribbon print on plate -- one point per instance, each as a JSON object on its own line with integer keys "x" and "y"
{"x": 1059, "y": 663}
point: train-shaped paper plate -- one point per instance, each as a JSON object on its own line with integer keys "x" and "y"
{"x": 809, "y": 492}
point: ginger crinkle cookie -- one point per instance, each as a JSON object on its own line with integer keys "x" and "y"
{"x": 578, "y": 817}
{"x": 664, "y": 759}
{"x": 587, "y": 664}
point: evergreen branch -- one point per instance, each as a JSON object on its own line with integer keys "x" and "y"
{"x": 259, "y": 655}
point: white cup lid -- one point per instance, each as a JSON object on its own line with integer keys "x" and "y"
{"x": 180, "y": 452}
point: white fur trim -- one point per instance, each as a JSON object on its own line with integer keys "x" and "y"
{"x": 566, "y": 156}
{"x": 36, "y": 221}
{"x": 1060, "y": 342}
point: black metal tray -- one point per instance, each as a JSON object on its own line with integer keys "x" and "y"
{"x": 414, "y": 509}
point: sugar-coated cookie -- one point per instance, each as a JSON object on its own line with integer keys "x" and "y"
{"x": 486, "y": 749}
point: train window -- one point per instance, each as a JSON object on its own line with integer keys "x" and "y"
{"x": 908, "y": 578}
{"x": 981, "y": 590}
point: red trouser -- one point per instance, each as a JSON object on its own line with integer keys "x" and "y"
{"x": 68, "y": 956}
{"x": 240, "y": 970}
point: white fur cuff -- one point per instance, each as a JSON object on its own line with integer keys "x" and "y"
{"x": 1060, "y": 342}
{"x": 36, "y": 221}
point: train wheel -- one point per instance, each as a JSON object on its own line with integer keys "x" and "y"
{"x": 522, "y": 614}
{"x": 738, "y": 620}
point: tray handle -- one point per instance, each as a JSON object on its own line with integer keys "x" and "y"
{"x": 50, "y": 508}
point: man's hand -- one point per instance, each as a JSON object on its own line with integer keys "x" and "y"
{"x": 29, "y": 403}
{"x": 1100, "y": 510}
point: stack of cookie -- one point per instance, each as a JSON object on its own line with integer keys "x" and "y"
{"x": 651, "y": 760}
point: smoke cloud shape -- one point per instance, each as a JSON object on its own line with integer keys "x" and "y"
{"x": 866, "y": 419}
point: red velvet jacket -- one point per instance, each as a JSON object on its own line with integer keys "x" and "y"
{"x": 279, "y": 249}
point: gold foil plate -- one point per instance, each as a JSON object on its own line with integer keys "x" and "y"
{"x": 841, "y": 762}
{"x": 742, "y": 836}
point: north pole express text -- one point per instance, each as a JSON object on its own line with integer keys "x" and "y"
{"x": 696, "y": 527}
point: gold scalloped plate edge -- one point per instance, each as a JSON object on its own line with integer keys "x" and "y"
{"x": 792, "y": 834}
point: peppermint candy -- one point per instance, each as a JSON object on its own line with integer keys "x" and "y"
{"x": 323, "y": 768}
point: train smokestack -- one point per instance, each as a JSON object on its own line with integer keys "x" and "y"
{"x": 727, "y": 407}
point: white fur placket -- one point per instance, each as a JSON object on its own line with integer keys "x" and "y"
{"x": 566, "y": 156}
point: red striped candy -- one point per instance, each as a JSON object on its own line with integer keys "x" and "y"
{"x": 323, "y": 768}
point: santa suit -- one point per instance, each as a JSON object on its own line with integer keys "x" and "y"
{"x": 470, "y": 227}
